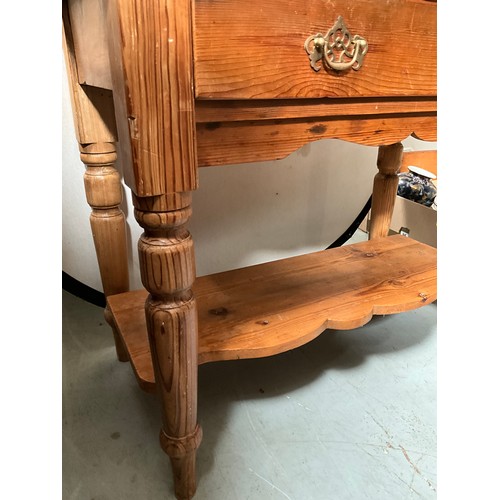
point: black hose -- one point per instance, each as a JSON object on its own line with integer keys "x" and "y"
{"x": 87, "y": 293}
{"x": 353, "y": 227}
{"x": 82, "y": 291}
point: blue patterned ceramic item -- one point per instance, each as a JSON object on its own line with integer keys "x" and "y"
{"x": 416, "y": 185}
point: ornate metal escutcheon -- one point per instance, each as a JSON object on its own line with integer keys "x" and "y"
{"x": 338, "y": 49}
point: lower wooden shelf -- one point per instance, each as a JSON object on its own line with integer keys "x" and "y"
{"x": 274, "y": 307}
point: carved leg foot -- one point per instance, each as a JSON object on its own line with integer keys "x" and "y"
{"x": 182, "y": 453}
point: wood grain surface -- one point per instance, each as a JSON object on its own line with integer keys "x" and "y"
{"x": 216, "y": 111}
{"x": 270, "y": 308}
{"x": 385, "y": 186}
{"x": 92, "y": 107}
{"x": 250, "y": 141}
{"x": 88, "y": 25}
{"x": 167, "y": 267}
{"x": 151, "y": 66}
{"x": 256, "y": 49}
{"x": 162, "y": 55}
{"x": 96, "y": 134}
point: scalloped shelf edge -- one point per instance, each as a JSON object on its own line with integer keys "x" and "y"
{"x": 271, "y": 308}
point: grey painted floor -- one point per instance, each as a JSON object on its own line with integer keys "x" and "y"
{"x": 349, "y": 416}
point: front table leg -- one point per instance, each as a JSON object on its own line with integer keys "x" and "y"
{"x": 385, "y": 186}
{"x": 168, "y": 272}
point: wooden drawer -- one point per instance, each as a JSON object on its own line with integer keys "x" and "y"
{"x": 256, "y": 49}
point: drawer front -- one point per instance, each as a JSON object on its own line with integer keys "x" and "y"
{"x": 255, "y": 49}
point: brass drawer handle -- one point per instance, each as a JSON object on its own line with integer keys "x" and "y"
{"x": 335, "y": 47}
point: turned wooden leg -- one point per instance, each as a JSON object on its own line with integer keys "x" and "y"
{"x": 168, "y": 272}
{"x": 385, "y": 187}
{"x": 104, "y": 195}
{"x": 95, "y": 129}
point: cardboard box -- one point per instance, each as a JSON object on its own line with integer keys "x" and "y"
{"x": 413, "y": 219}
{"x": 421, "y": 221}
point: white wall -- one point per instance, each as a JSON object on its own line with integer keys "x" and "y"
{"x": 242, "y": 214}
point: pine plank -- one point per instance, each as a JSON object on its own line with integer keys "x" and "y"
{"x": 150, "y": 45}
{"x": 256, "y": 50}
{"x": 216, "y": 111}
{"x": 228, "y": 143}
{"x": 270, "y": 308}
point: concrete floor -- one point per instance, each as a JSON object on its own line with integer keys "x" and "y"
{"x": 349, "y": 416}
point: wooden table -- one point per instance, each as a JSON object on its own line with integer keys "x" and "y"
{"x": 161, "y": 88}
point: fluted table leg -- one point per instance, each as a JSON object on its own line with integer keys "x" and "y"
{"x": 168, "y": 272}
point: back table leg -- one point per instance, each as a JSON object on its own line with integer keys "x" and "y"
{"x": 385, "y": 186}
{"x": 95, "y": 129}
{"x": 104, "y": 195}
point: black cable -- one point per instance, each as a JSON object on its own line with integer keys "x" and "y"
{"x": 82, "y": 291}
{"x": 88, "y": 294}
{"x": 353, "y": 227}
